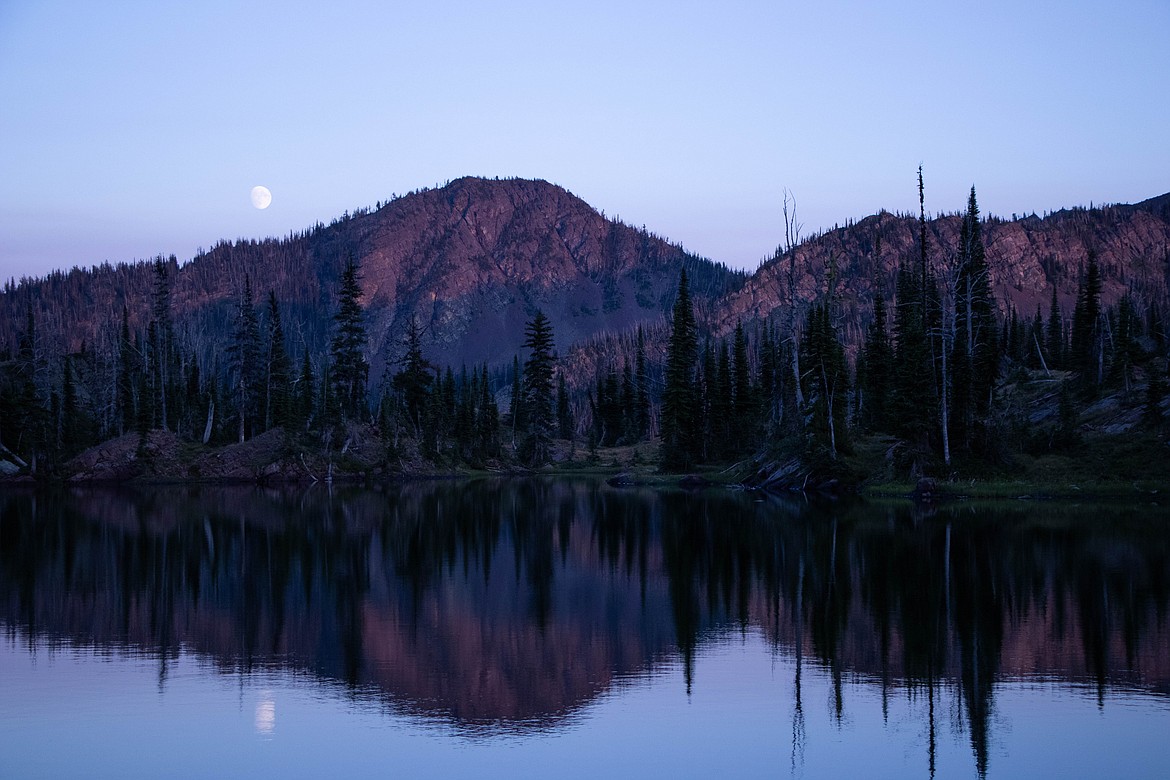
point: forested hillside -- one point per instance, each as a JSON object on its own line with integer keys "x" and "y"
{"x": 486, "y": 321}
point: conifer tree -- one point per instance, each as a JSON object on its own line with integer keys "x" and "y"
{"x": 488, "y": 420}
{"x": 642, "y": 388}
{"x": 516, "y": 402}
{"x": 71, "y": 423}
{"x": 31, "y": 415}
{"x": 745, "y": 402}
{"x": 127, "y": 413}
{"x": 706, "y": 393}
{"x": 719, "y": 438}
{"x": 564, "y": 413}
{"x": 161, "y": 343}
{"x": 975, "y": 320}
{"x": 463, "y": 431}
{"x": 348, "y": 369}
{"x": 306, "y": 393}
{"x": 536, "y": 447}
{"x": 1054, "y": 338}
{"x": 629, "y": 424}
{"x": 679, "y": 434}
{"x": 245, "y": 353}
{"x": 1086, "y": 349}
{"x": 877, "y": 358}
{"x": 826, "y": 383}
{"x": 913, "y": 374}
{"x": 413, "y": 382}
{"x": 278, "y": 399}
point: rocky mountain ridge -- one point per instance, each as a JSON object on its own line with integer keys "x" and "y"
{"x": 473, "y": 260}
{"x": 1027, "y": 257}
{"x": 470, "y": 262}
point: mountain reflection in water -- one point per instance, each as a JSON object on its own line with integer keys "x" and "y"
{"x": 509, "y": 605}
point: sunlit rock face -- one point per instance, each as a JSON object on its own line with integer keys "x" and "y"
{"x": 1027, "y": 257}
{"x": 512, "y": 605}
{"x": 470, "y": 263}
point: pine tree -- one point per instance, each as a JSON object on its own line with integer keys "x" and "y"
{"x": 536, "y": 447}
{"x": 306, "y": 393}
{"x": 71, "y": 423}
{"x": 348, "y": 369}
{"x": 642, "y": 383}
{"x": 31, "y": 415}
{"x": 564, "y": 413}
{"x": 126, "y": 383}
{"x": 679, "y": 434}
{"x": 245, "y": 353}
{"x": 912, "y": 390}
{"x": 162, "y": 368}
{"x": 278, "y": 398}
{"x": 413, "y": 382}
{"x": 488, "y": 421}
{"x": 877, "y": 357}
{"x": 516, "y": 415}
{"x": 1086, "y": 350}
{"x": 1126, "y": 349}
{"x": 1054, "y": 338}
{"x": 745, "y": 405}
{"x": 826, "y": 381}
{"x": 975, "y": 317}
{"x": 463, "y": 431}
{"x": 720, "y": 433}
{"x": 629, "y": 424}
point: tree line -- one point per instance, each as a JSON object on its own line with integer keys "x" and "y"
{"x": 932, "y": 372}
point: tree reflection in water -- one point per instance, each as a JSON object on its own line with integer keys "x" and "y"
{"x": 510, "y": 604}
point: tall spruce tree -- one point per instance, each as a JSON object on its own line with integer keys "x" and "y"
{"x": 744, "y": 392}
{"x": 413, "y": 382}
{"x": 306, "y": 394}
{"x": 516, "y": 416}
{"x": 487, "y": 421}
{"x": 126, "y": 382}
{"x": 1054, "y": 338}
{"x": 536, "y": 447}
{"x": 564, "y": 413}
{"x": 348, "y": 369}
{"x": 826, "y": 382}
{"x": 31, "y": 415}
{"x": 975, "y": 322}
{"x": 278, "y": 387}
{"x": 642, "y": 388}
{"x": 1086, "y": 350}
{"x": 679, "y": 412}
{"x": 878, "y": 359}
{"x": 163, "y": 365}
{"x": 913, "y": 375}
{"x": 247, "y": 371}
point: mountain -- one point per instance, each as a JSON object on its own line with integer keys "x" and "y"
{"x": 473, "y": 260}
{"x": 470, "y": 262}
{"x": 1027, "y": 257}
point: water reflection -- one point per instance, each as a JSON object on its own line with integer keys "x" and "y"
{"x": 510, "y": 605}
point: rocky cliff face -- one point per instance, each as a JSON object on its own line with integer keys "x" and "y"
{"x": 470, "y": 262}
{"x": 1027, "y": 258}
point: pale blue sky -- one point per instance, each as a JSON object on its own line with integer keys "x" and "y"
{"x": 129, "y": 129}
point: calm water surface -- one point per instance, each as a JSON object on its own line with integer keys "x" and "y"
{"x": 535, "y": 628}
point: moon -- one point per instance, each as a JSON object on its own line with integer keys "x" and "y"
{"x": 261, "y": 197}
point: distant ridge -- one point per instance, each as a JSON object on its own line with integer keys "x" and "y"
{"x": 472, "y": 261}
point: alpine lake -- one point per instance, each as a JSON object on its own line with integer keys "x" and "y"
{"x": 558, "y": 627}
